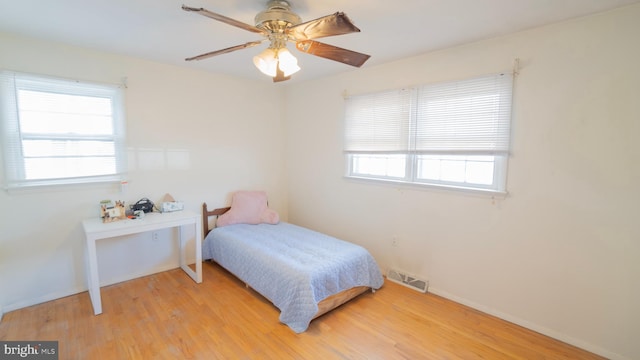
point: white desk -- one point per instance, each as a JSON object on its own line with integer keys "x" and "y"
{"x": 95, "y": 230}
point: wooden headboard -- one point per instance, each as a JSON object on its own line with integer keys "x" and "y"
{"x": 205, "y": 217}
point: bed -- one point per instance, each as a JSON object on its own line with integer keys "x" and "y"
{"x": 304, "y": 273}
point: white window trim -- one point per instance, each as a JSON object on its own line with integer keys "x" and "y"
{"x": 14, "y": 174}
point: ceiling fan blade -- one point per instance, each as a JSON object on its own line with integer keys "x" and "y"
{"x": 224, "y": 19}
{"x": 227, "y": 50}
{"x": 330, "y": 25}
{"x": 332, "y": 52}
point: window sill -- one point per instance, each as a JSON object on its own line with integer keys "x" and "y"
{"x": 47, "y": 186}
{"x": 493, "y": 194}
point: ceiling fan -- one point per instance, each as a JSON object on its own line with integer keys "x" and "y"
{"x": 279, "y": 24}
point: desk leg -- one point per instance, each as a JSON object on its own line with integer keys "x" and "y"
{"x": 183, "y": 254}
{"x": 92, "y": 276}
{"x": 197, "y": 275}
{"x": 198, "y": 251}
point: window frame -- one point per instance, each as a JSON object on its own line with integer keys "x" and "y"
{"x": 15, "y": 174}
{"x": 410, "y": 177}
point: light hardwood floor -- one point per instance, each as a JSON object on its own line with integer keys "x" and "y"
{"x": 168, "y": 316}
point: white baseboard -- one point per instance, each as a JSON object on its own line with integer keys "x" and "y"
{"x": 139, "y": 275}
{"x": 42, "y": 299}
{"x": 78, "y": 290}
{"x": 531, "y": 326}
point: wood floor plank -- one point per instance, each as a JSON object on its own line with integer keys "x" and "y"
{"x": 168, "y": 316}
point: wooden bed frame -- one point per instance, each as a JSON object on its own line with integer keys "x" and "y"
{"x": 325, "y": 305}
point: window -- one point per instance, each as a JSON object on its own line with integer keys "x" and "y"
{"x": 59, "y": 131}
{"x": 453, "y": 134}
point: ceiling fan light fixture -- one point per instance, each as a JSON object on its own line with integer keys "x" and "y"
{"x": 287, "y": 62}
{"x": 271, "y": 59}
{"x": 267, "y": 62}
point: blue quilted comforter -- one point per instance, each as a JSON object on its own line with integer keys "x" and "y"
{"x": 293, "y": 267}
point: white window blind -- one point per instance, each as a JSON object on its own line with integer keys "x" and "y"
{"x": 378, "y": 123}
{"x": 453, "y": 134}
{"x": 471, "y": 116}
{"x": 60, "y": 131}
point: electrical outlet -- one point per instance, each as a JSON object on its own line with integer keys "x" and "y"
{"x": 154, "y": 236}
{"x": 394, "y": 241}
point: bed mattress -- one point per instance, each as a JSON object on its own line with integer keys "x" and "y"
{"x": 294, "y": 267}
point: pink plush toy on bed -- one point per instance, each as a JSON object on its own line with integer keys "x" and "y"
{"x": 248, "y": 207}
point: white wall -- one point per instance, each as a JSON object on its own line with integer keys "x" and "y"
{"x": 561, "y": 254}
{"x": 189, "y": 133}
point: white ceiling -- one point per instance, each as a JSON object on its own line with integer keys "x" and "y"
{"x": 161, "y": 31}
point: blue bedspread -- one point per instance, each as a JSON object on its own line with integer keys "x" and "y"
{"x": 293, "y": 267}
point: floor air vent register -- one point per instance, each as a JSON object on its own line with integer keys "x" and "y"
{"x": 408, "y": 280}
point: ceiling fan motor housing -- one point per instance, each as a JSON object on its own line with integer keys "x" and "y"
{"x": 277, "y": 17}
